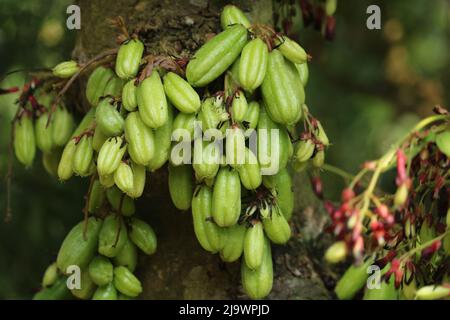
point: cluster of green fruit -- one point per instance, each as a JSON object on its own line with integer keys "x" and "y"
{"x": 137, "y": 107}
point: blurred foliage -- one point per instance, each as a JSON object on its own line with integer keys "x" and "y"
{"x": 367, "y": 87}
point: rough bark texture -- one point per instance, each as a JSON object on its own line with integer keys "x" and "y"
{"x": 181, "y": 269}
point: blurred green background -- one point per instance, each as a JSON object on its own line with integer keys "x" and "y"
{"x": 367, "y": 87}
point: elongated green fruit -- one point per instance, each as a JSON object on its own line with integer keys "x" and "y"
{"x": 352, "y": 281}
{"x": 112, "y": 236}
{"x": 65, "y": 170}
{"x": 181, "y": 186}
{"x": 65, "y": 69}
{"x": 207, "y": 161}
{"x": 129, "y": 91}
{"x": 140, "y": 138}
{"x": 98, "y": 139}
{"x": 43, "y": 133}
{"x": 443, "y": 142}
{"x": 108, "y": 118}
{"x": 162, "y": 137}
{"x": 107, "y": 292}
{"x": 233, "y": 242}
{"x": 250, "y": 120}
{"x": 249, "y": 172}
{"x": 58, "y": 291}
{"x": 208, "y": 233}
{"x": 24, "y": 140}
{"x": 129, "y": 58}
{"x": 282, "y": 183}
{"x": 50, "y": 161}
{"x": 123, "y": 177}
{"x": 303, "y": 71}
{"x": 82, "y": 158}
{"x": 386, "y": 291}
{"x": 258, "y": 283}
{"x": 96, "y": 197}
{"x": 126, "y": 282}
{"x": 226, "y": 206}
{"x": 50, "y": 275}
{"x": 96, "y": 84}
{"x": 127, "y": 257}
{"x": 139, "y": 177}
{"x": 185, "y": 121}
{"x": 114, "y": 87}
{"x": 233, "y": 15}
{"x": 85, "y": 124}
{"x": 77, "y": 249}
{"x": 282, "y": 90}
{"x": 432, "y": 292}
{"x": 143, "y": 236}
{"x": 211, "y": 113}
{"x": 253, "y": 64}
{"x": 106, "y": 181}
{"x": 254, "y": 245}
{"x": 87, "y": 287}
{"x": 276, "y": 227}
{"x": 125, "y": 206}
{"x": 216, "y": 55}
{"x": 180, "y": 93}
{"x": 152, "y": 101}
{"x": 101, "y": 270}
{"x": 239, "y": 106}
{"x": 292, "y": 51}
{"x": 110, "y": 156}
{"x": 62, "y": 126}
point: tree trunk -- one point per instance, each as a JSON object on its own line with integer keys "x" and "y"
{"x": 181, "y": 269}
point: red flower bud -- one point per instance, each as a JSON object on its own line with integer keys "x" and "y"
{"x": 347, "y": 194}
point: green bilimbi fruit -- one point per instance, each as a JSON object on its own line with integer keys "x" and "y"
{"x": 432, "y": 292}
{"x": 139, "y": 177}
{"x": 62, "y": 126}
{"x": 282, "y": 183}
{"x": 181, "y": 94}
{"x": 304, "y": 150}
{"x": 282, "y": 90}
{"x": 112, "y": 236}
{"x": 106, "y": 181}
{"x": 126, "y": 283}
{"x": 43, "y": 133}
{"x": 443, "y": 142}
{"x": 65, "y": 69}
{"x": 50, "y": 161}
{"x": 24, "y": 140}
{"x": 96, "y": 197}
{"x": 185, "y": 122}
{"x": 96, "y": 84}
{"x": 265, "y": 143}
{"x": 253, "y": 64}
{"x": 303, "y": 71}
{"x": 291, "y": 50}
{"x": 108, "y": 118}
{"x": 209, "y": 235}
{"x": 232, "y": 15}
{"x": 101, "y": 270}
{"x": 336, "y": 252}
{"x": 114, "y": 196}
{"x": 77, "y": 249}
{"x": 129, "y": 58}
{"x": 206, "y": 161}
{"x": 181, "y": 186}
{"x": 330, "y": 7}
{"x": 85, "y": 124}
{"x": 235, "y": 146}
{"x": 162, "y": 137}
{"x": 319, "y": 159}
{"x": 143, "y": 236}
{"x": 226, "y": 203}
{"x": 87, "y": 287}
{"x": 128, "y": 256}
{"x": 276, "y": 227}
{"x": 129, "y": 91}
{"x": 107, "y": 292}
{"x": 234, "y": 72}
{"x": 254, "y": 245}
{"x": 152, "y": 101}
{"x": 114, "y": 87}
{"x": 140, "y": 138}
{"x": 321, "y": 135}
{"x": 123, "y": 177}
{"x": 352, "y": 281}
{"x": 110, "y": 155}
{"x": 58, "y": 291}
{"x": 98, "y": 139}
{"x": 50, "y": 275}
{"x": 216, "y": 55}
{"x": 249, "y": 172}
{"x": 212, "y": 113}
{"x": 233, "y": 242}
{"x": 82, "y": 159}
{"x": 239, "y": 106}
{"x": 258, "y": 283}
{"x": 386, "y": 291}
{"x": 250, "y": 120}
{"x": 65, "y": 170}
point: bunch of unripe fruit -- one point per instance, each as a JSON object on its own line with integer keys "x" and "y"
{"x": 135, "y": 110}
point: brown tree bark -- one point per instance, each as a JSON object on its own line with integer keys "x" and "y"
{"x": 181, "y": 269}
